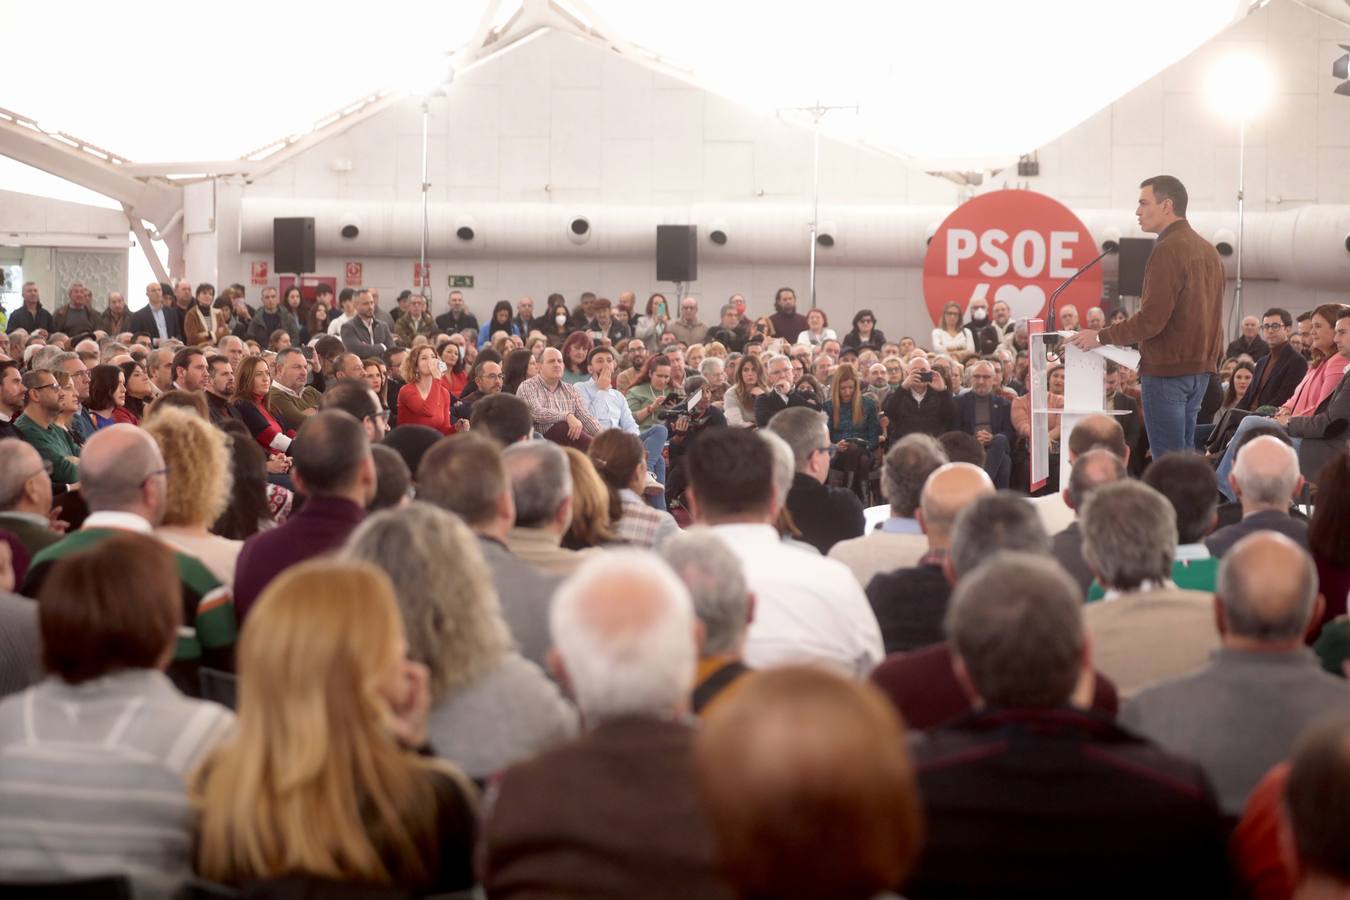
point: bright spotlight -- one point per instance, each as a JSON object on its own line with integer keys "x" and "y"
{"x": 1239, "y": 86}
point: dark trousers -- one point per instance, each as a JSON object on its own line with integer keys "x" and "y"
{"x": 557, "y": 433}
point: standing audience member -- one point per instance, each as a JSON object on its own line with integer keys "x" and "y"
{"x": 1013, "y": 795}
{"x": 910, "y": 603}
{"x": 562, "y": 824}
{"x": 102, "y": 746}
{"x": 324, "y": 781}
{"x": 808, "y": 609}
{"x": 335, "y": 472}
{"x": 490, "y": 707}
{"x": 1241, "y": 714}
{"x": 854, "y": 773}
{"x": 825, "y": 515}
{"x": 899, "y": 541}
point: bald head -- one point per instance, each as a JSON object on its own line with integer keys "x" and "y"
{"x": 1267, "y": 589}
{"x": 121, "y": 470}
{"x": 623, "y": 636}
{"x": 1098, "y": 431}
{"x": 1266, "y": 474}
{"x": 948, "y": 491}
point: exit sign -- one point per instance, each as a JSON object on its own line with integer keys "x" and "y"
{"x": 461, "y": 281}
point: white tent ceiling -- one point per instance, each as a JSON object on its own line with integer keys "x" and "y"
{"x": 955, "y": 80}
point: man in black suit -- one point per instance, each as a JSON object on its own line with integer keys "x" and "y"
{"x": 156, "y": 318}
{"x": 458, "y": 318}
{"x": 780, "y": 396}
{"x": 825, "y": 515}
{"x": 985, "y": 413}
{"x": 921, "y": 403}
{"x": 1278, "y": 373}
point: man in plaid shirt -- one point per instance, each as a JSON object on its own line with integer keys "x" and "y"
{"x": 558, "y": 410}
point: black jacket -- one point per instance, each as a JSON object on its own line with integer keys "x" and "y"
{"x": 1051, "y": 803}
{"x": 1257, "y": 349}
{"x": 143, "y": 322}
{"x": 1284, "y": 378}
{"x": 451, "y": 323}
{"x": 910, "y": 605}
{"x": 935, "y": 416}
{"x": 771, "y": 402}
{"x": 1000, "y": 416}
{"x": 30, "y": 322}
{"x": 825, "y": 515}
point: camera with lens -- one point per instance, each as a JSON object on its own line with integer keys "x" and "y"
{"x": 675, "y": 406}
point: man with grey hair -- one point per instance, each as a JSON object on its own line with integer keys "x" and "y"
{"x": 125, "y": 483}
{"x": 899, "y": 541}
{"x": 724, "y": 606}
{"x": 25, "y": 496}
{"x": 1144, "y": 629}
{"x": 290, "y": 399}
{"x": 159, "y": 366}
{"x": 994, "y": 822}
{"x": 541, "y": 488}
{"x": 81, "y": 424}
{"x": 233, "y": 349}
{"x": 825, "y": 515}
{"x": 1240, "y": 715}
{"x": 1090, "y": 471}
{"x": 1265, "y": 480}
{"x": 909, "y": 603}
{"x": 778, "y": 394}
{"x": 562, "y": 824}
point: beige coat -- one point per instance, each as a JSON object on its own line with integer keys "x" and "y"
{"x": 1147, "y": 636}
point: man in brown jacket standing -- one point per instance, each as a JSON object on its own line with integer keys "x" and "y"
{"x": 1179, "y": 326}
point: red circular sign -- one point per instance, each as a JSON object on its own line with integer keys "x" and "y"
{"x": 1014, "y": 246}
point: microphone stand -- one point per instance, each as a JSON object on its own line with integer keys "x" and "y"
{"x": 1052, "y": 340}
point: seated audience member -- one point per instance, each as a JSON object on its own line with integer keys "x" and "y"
{"x": 490, "y": 707}
{"x": 504, "y": 417}
{"x": 412, "y": 443}
{"x": 425, "y": 398}
{"x": 1090, "y": 471}
{"x": 323, "y": 781}
{"x": 590, "y": 526}
{"x": 197, "y": 457}
{"x": 855, "y": 774}
{"x": 1265, "y": 480}
{"x": 1014, "y": 795}
{"x": 20, "y": 640}
{"x": 1145, "y": 629}
{"x": 808, "y": 609}
{"x": 854, "y": 429}
{"x": 101, "y": 747}
{"x": 921, "y": 683}
{"x": 356, "y": 398}
{"x": 1315, "y": 800}
{"x": 252, "y": 383}
{"x": 910, "y": 603}
{"x": 986, "y": 414}
{"x": 780, "y": 391}
{"x": 1279, "y": 372}
{"x": 724, "y": 607}
{"x": 219, "y": 389}
{"x": 1240, "y": 715}
{"x": 1328, "y": 535}
{"x": 335, "y": 472}
{"x": 898, "y": 542}
{"x": 541, "y": 488}
{"x": 921, "y": 403}
{"x": 747, "y": 384}
{"x": 38, "y": 426}
{"x": 465, "y": 474}
{"x": 621, "y": 462}
{"x": 393, "y": 481}
{"x": 1322, "y": 434}
{"x": 108, "y": 397}
{"x": 25, "y": 496}
{"x": 254, "y": 503}
{"x": 610, "y": 408}
{"x": 825, "y": 515}
{"x": 12, "y": 397}
{"x": 558, "y": 411}
{"x": 562, "y": 824}
{"x": 125, "y": 483}
{"x": 962, "y": 447}
{"x": 290, "y": 399}
{"x": 1091, "y": 432}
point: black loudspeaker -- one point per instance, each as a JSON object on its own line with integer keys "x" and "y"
{"x": 293, "y": 246}
{"x": 677, "y": 253}
{"x": 1133, "y": 258}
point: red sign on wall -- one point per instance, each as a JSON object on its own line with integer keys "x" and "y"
{"x": 1014, "y": 246}
{"x": 421, "y": 276}
{"x": 258, "y": 272}
{"x": 353, "y": 274}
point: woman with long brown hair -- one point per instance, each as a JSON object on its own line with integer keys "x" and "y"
{"x": 746, "y": 384}
{"x": 322, "y": 778}
{"x": 621, "y": 462}
{"x": 855, "y": 428}
{"x": 251, "y": 384}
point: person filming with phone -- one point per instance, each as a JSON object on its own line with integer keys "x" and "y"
{"x": 922, "y": 404}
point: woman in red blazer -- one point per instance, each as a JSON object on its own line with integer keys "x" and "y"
{"x": 425, "y": 399}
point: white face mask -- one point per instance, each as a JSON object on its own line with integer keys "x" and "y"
{"x": 978, "y": 313}
{"x": 560, "y": 319}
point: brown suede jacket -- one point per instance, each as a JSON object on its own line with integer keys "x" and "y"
{"x": 1179, "y": 326}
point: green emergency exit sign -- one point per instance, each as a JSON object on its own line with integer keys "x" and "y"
{"x": 461, "y": 281}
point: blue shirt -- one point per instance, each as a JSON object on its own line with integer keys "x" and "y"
{"x": 158, "y": 315}
{"x": 609, "y": 408}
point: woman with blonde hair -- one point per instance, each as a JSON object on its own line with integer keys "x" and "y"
{"x": 855, "y": 428}
{"x": 199, "y": 484}
{"x": 490, "y": 707}
{"x": 621, "y": 462}
{"x": 322, "y": 779}
{"x": 591, "y": 525}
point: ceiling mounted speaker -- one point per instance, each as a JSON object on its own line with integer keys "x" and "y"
{"x": 1225, "y": 241}
{"x": 579, "y": 229}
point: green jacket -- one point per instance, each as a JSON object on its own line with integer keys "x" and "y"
{"x": 55, "y": 445}
{"x": 289, "y": 409}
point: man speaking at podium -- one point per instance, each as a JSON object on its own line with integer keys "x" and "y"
{"x": 1179, "y": 326}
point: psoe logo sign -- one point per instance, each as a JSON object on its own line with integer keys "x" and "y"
{"x": 1014, "y": 246}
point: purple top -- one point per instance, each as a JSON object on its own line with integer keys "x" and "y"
{"x": 321, "y": 525}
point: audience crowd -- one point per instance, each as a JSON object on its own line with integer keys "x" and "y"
{"x": 315, "y": 598}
